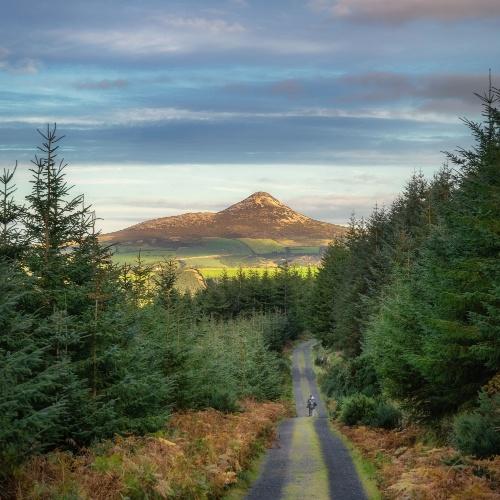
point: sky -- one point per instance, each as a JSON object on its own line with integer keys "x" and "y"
{"x": 175, "y": 106}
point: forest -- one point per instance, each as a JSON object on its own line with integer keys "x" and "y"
{"x": 406, "y": 306}
{"x": 90, "y": 349}
{"x": 411, "y": 302}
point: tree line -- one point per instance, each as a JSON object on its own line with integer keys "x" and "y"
{"x": 411, "y": 298}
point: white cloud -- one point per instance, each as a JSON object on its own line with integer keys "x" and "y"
{"x": 138, "y": 116}
{"x": 167, "y": 34}
{"x": 200, "y": 24}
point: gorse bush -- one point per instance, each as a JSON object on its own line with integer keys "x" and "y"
{"x": 387, "y": 416}
{"x": 478, "y": 433}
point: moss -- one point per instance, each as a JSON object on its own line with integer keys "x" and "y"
{"x": 307, "y": 467}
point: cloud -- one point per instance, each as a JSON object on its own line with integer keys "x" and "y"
{"x": 338, "y": 208}
{"x": 160, "y": 34}
{"x": 200, "y": 24}
{"x": 138, "y": 116}
{"x": 402, "y": 11}
{"x": 22, "y": 66}
{"x": 157, "y": 34}
{"x": 432, "y": 97}
{"x": 102, "y": 84}
{"x": 166, "y": 204}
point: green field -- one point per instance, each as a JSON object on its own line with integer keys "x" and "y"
{"x": 148, "y": 256}
{"x": 214, "y": 246}
{"x": 263, "y": 246}
{"x": 202, "y": 261}
{"x": 211, "y": 255}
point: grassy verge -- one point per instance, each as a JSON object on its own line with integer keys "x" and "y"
{"x": 198, "y": 455}
{"x": 246, "y": 477}
{"x": 367, "y": 471}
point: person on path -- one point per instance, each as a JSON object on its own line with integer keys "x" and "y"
{"x": 311, "y": 404}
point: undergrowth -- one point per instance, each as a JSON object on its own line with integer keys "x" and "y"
{"x": 197, "y": 455}
{"x": 408, "y": 468}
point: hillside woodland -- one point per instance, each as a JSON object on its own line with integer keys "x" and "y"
{"x": 406, "y": 306}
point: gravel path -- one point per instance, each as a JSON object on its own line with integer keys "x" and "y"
{"x": 307, "y": 461}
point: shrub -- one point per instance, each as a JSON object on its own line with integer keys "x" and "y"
{"x": 477, "y": 433}
{"x": 361, "y": 409}
{"x": 386, "y": 416}
{"x": 358, "y": 409}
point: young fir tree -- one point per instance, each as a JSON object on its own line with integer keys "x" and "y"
{"x": 115, "y": 381}
{"x": 12, "y": 241}
{"x": 31, "y": 406}
{"x": 166, "y": 277}
{"x": 436, "y": 338}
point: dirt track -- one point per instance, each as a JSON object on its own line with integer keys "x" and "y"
{"x": 307, "y": 461}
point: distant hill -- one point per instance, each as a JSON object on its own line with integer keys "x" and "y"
{"x": 259, "y": 217}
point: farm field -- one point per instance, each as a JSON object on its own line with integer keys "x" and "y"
{"x": 263, "y": 246}
{"x": 221, "y": 253}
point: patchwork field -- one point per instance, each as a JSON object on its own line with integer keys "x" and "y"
{"x": 211, "y": 257}
{"x": 219, "y": 252}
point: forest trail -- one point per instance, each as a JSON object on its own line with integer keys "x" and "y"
{"x": 307, "y": 461}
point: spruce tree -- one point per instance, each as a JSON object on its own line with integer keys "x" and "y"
{"x": 436, "y": 338}
{"x": 31, "y": 403}
{"x": 12, "y": 241}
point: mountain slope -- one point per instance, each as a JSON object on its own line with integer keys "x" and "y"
{"x": 258, "y": 216}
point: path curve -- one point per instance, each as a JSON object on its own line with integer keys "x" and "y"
{"x": 307, "y": 461}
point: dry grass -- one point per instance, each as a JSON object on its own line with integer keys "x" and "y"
{"x": 197, "y": 456}
{"x": 407, "y": 469}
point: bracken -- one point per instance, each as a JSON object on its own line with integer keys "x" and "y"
{"x": 197, "y": 456}
{"x": 407, "y": 469}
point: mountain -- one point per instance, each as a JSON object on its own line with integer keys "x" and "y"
{"x": 260, "y": 216}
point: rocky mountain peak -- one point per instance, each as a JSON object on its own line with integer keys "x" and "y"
{"x": 260, "y": 199}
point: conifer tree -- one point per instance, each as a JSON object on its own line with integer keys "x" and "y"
{"x": 436, "y": 338}
{"x": 31, "y": 404}
{"x": 11, "y": 236}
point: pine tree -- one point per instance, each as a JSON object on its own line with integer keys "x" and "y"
{"x": 11, "y": 236}
{"x": 31, "y": 405}
{"x": 436, "y": 338}
{"x": 325, "y": 293}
